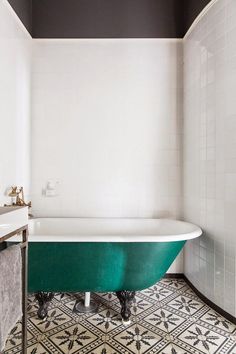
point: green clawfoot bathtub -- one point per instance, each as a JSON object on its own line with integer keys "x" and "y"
{"x": 102, "y": 255}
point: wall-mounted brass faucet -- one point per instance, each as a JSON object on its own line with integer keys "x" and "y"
{"x": 18, "y": 193}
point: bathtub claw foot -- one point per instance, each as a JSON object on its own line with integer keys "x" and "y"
{"x": 44, "y": 299}
{"x": 126, "y": 298}
{"x": 126, "y": 323}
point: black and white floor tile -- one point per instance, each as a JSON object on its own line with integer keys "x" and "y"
{"x": 167, "y": 318}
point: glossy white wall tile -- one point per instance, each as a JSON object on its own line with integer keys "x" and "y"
{"x": 106, "y": 124}
{"x": 15, "y": 67}
{"x": 209, "y": 150}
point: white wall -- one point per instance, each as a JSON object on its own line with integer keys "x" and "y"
{"x": 106, "y": 123}
{"x": 210, "y": 152}
{"x": 15, "y": 57}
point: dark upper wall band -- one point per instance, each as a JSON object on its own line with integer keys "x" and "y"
{"x": 108, "y": 18}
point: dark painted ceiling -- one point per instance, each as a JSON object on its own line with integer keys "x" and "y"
{"x": 192, "y": 8}
{"x": 23, "y": 8}
{"x": 108, "y": 18}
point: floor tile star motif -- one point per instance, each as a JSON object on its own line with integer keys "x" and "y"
{"x": 165, "y": 320}
{"x": 203, "y": 339}
{"x": 157, "y": 292}
{"x": 15, "y": 337}
{"x": 218, "y": 321}
{"x": 55, "y": 318}
{"x": 186, "y": 304}
{"x": 106, "y": 320}
{"x": 137, "y": 338}
{"x": 72, "y": 338}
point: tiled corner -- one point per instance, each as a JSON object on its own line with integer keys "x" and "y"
{"x": 209, "y": 154}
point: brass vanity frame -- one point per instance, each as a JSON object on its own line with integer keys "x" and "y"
{"x": 24, "y": 253}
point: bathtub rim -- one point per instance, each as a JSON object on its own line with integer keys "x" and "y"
{"x": 196, "y": 232}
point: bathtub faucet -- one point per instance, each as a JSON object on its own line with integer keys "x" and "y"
{"x": 18, "y": 193}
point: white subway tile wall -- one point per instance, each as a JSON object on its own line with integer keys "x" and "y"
{"x": 106, "y": 123}
{"x": 209, "y": 152}
{"x": 15, "y": 63}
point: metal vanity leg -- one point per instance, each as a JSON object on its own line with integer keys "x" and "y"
{"x": 24, "y": 251}
{"x": 44, "y": 299}
{"x": 126, "y": 298}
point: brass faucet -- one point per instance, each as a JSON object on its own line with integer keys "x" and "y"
{"x": 18, "y": 193}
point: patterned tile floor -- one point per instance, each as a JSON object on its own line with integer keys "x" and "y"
{"x": 167, "y": 318}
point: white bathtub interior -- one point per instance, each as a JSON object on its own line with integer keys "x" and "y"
{"x": 110, "y": 230}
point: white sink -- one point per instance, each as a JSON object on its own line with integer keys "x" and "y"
{"x": 12, "y": 218}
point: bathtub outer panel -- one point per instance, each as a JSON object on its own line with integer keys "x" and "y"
{"x": 101, "y": 267}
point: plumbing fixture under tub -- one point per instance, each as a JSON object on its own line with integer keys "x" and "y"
{"x": 102, "y": 255}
